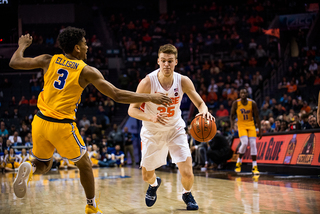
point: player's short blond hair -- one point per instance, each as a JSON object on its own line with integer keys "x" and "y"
{"x": 168, "y": 49}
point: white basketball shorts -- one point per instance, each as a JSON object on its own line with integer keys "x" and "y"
{"x": 156, "y": 144}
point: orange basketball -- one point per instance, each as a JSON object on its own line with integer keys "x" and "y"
{"x": 202, "y": 130}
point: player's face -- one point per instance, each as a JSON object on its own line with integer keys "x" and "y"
{"x": 167, "y": 62}
{"x": 243, "y": 94}
{"x": 83, "y": 49}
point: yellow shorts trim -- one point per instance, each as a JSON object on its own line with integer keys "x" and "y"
{"x": 65, "y": 137}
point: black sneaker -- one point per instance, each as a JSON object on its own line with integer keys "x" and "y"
{"x": 190, "y": 202}
{"x": 151, "y": 195}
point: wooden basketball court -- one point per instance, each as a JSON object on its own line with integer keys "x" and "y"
{"x": 122, "y": 190}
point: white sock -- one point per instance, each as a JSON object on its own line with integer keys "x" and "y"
{"x": 92, "y": 202}
{"x": 155, "y": 183}
{"x": 185, "y": 191}
{"x": 239, "y": 160}
{"x": 254, "y": 163}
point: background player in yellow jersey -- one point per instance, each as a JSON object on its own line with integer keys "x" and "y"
{"x": 245, "y": 108}
{"x": 65, "y": 77}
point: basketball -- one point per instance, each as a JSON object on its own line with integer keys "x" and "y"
{"x": 202, "y": 130}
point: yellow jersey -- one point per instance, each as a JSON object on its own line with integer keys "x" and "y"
{"x": 245, "y": 114}
{"x": 61, "y": 93}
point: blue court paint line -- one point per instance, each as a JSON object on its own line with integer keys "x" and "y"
{"x": 103, "y": 177}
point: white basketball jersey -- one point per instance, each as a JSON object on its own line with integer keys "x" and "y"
{"x": 173, "y": 111}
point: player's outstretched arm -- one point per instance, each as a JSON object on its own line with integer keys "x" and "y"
{"x": 134, "y": 111}
{"x": 188, "y": 88}
{"x": 233, "y": 113}
{"x": 18, "y": 61}
{"x": 93, "y": 75}
{"x": 256, "y": 116}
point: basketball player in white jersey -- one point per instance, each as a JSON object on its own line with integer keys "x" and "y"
{"x": 163, "y": 128}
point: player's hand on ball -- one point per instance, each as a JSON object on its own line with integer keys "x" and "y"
{"x": 161, "y": 118}
{"x": 160, "y": 98}
{"x": 207, "y": 115}
{"x": 25, "y": 41}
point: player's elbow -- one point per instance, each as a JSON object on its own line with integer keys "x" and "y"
{"x": 130, "y": 111}
{"x": 13, "y": 64}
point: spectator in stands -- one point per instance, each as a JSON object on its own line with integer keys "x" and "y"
{"x": 24, "y": 131}
{"x": 35, "y": 88}
{"x": 313, "y": 122}
{"x": 109, "y": 106}
{"x": 233, "y": 95}
{"x": 253, "y": 62}
{"x": 317, "y": 80}
{"x": 265, "y": 111}
{"x": 306, "y": 107}
{"x": 12, "y": 129}
{"x": 260, "y": 52}
{"x": 103, "y": 114}
{"x": 13, "y": 102}
{"x": 279, "y": 110}
{"x": 252, "y": 47}
{"x": 115, "y": 137}
{"x": 313, "y": 67}
{"x": 291, "y": 88}
{"x": 3, "y": 131}
{"x": 84, "y": 121}
{"x": 33, "y": 101}
{"x": 95, "y": 126}
{"x": 23, "y": 101}
{"x": 239, "y": 81}
{"x": 27, "y": 141}
{"x": 24, "y": 156}
{"x": 255, "y": 81}
{"x": 249, "y": 89}
{"x": 12, "y": 160}
{"x": 15, "y": 138}
{"x": 283, "y": 83}
{"x": 222, "y": 112}
{"x": 283, "y": 126}
{"x": 277, "y": 125}
{"x": 295, "y": 123}
{"x": 213, "y": 86}
{"x": 5, "y": 114}
{"x": 128, "y": 145}
{"x": 6, "y": 83}
{"x": 267, "y": 127}
{"x": 16, "y": 114}
{"x": 118, "y": 155}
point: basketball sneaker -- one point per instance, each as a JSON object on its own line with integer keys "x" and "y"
{"x": 92, "y": 210}
{"x": 190, "y": 202}
{"x": 24, "y": 175}
{"x": 255, "y": 170}
{"x": 238, "y": 167}
{"x": 151, "y": 195}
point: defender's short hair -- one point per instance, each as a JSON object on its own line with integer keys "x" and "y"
{"x": 168, "y": 49}
{"x": 69, "y": 37}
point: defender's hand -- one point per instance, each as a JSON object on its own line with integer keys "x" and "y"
{"x": 207, "y": 115}
{"x": 25, "y": 41}
{"x": 161, "y": 118}
{"x": 159, "y": 98}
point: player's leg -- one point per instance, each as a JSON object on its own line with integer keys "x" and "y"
{"x": 181, "y": 155}
{"x": 253, "y": 147}
{"x": 243, "y": 135}
{"x": 73, "y": 148}
{"x": 187, "y": 178}
{"x": 154, "y": 155}
{"x": 42, "y": 151}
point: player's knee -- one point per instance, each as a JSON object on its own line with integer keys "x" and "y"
{"x": 146, "y": 176}
{"x": 187, "y": 174}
